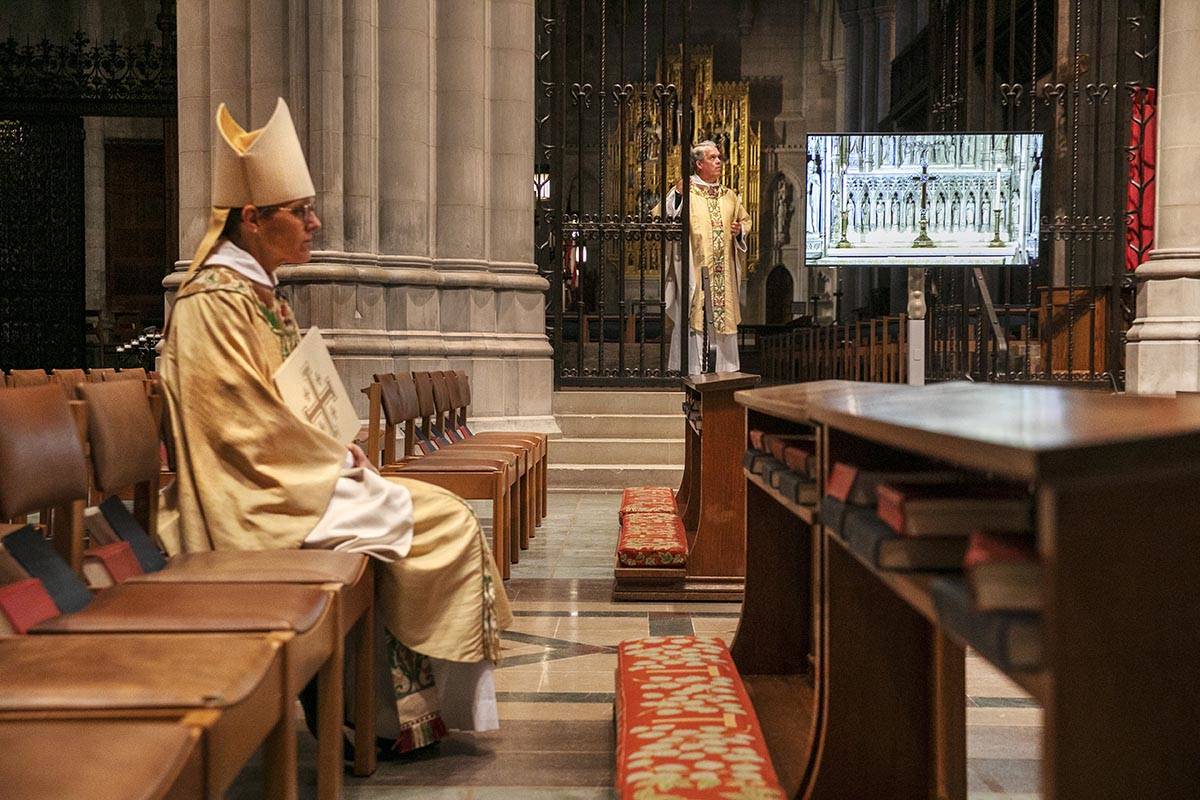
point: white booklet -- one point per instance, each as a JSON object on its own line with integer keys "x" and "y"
{"x": 313, "y": 391}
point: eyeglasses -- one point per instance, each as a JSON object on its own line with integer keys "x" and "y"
{"x": 301, "y": 212}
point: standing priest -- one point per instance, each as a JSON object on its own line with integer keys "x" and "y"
{"x": 251, "y": 475}
{"x": 718, "y": 230}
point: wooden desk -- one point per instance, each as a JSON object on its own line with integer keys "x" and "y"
{"x": 1111, "y": 478}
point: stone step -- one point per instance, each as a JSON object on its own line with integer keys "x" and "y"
{"x": 613, "y": 476}
{"x": 583, "y": 401}
{"x": 639, "y": 426}
{"x": 616, "y": 451}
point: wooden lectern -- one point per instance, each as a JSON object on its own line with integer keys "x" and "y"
{"x": 711, "y": 499}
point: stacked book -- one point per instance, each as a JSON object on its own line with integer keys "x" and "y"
{"x": 786, "y": 463}
{"x": 943, "y": 520}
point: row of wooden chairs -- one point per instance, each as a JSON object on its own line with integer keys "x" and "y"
{"x": 179, "y": 673}
{"x": 68, "y": 379}
{"x": 426, "y": 413}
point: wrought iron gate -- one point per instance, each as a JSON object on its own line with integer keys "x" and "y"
{"x": 41, "y": 244}
{"x": 45, "y": 91}
{"x": 608, "y": 128}
{"x": 1081, "y": 72}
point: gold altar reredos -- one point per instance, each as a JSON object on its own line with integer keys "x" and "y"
{"x": 720, "y": 112}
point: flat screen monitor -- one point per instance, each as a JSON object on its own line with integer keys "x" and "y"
{"x": 923, "y": 199}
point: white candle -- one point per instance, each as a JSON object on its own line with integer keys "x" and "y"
{"x": 997, "y": 197}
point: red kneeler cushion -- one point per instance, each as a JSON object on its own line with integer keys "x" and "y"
{"x": 685, "y": 725}
{"x": 648, "y": 500}
{"x": 652, "y": 540}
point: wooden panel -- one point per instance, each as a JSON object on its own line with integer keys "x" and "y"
{"x": 135, "y": 227}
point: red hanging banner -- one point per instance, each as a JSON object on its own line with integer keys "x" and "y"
{"x": 1139, "y": 205}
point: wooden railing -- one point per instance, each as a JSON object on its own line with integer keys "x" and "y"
{"x": 869, "y": 350}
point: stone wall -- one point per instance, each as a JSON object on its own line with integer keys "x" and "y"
{"x": 416, "y": 117}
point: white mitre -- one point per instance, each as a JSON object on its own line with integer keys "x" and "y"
{"x": 263, "y": 167}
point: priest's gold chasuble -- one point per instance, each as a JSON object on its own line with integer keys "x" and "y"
{"x": 250, "y": 474}
{"x": 720, "y": 254}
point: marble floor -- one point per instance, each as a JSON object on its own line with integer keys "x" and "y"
{"x": 555, "y": 684}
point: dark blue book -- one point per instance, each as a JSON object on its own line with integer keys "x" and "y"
{"x": 1010, "y": 640}
{"x": 128, "y": 529}
{"x": 37, "y": 557}
{"x": 833, "y": 513}
{"x": 751, "y": 456}
{"x": 874, "y": 542}
{"x": 795, "y": 486}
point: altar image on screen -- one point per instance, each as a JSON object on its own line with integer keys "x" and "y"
{"x": 923, "y": 199}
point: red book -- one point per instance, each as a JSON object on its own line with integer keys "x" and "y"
{"x": 953, "y": 509}
{"x": 840, "y": 481}
{"x": 756, "y": 440}
{"x": 26, "y": 604}
{"x": 776, "y": 443}
{"x": 1003, "y": 572}
{"x": 110, "y": 564}
{"x": 799, "y": 458}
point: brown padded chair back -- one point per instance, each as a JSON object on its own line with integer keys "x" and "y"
{"x": 441, "y": 393}
{"x": 123, "y": 434}
{"x": 131, "y": 374}
{"x": 398, "y": 397}
{"x": 41, "y": 458}
{"x": 425, "y": 393}
{"x": 456, "y": 395}
{"x": 68, "y": 379}
{"x": 98, "y": 374}
{"x": 28, "y": 377}
{"x": 464, "y": 387}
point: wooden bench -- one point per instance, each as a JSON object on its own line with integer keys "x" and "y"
{"x": 685, "y": 724}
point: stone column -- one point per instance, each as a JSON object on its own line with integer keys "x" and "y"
{"x": 851, "y": 120}
{"x": 415, "y": 116}
{"x": 869, "y": 49}
{"x": 886, "y": 50}
{"x": 1163, "y": 353}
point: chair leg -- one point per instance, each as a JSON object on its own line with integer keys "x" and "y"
{"x": 545, "y": 483}
{"x": 330, "y": 716}
{"x": 526, "y": 509}
{"x": 514, "y": 522}
{"x": 279, "y": 757}
{"x": 499, "y": 525}
{"x": 364, "y": 694}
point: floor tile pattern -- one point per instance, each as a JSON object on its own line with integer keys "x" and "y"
{"x": 555, "y": 684}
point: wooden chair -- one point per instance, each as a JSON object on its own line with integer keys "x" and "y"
{"x": 301, "y": 617}
{"x": 127, "y": 374}
{"x": 477, "y": 478}
{"x": 446, "y": 414}
{"x": 459, "y": 389}
{"x": 231, "y": 688}
{"x": 122, "y": 431}
{"x": 110, "y": 760}
{"x": 432, "y": 436}
{"x": 26, "y": 377}
{"x": 68, "y": 379}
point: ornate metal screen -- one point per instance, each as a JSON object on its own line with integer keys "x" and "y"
{"x": 613, "y": 133}
{"x": 1081, "y": 73}
{"x": 41, "y": 247}
{"x": 46, "y": 88}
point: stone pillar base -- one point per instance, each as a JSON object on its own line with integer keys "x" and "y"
{"x": 1163, "y": 351}
{"x": 1162, "y": 367}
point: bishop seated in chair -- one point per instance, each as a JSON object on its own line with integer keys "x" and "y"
{"x": 252, "y": 475}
